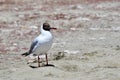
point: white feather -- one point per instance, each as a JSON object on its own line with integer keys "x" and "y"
{"x": 44, "y": 42}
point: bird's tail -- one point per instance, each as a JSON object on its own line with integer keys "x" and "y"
{"x": 25, "y": 54}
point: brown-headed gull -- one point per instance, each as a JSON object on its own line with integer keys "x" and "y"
{"x": 42, "y": 43}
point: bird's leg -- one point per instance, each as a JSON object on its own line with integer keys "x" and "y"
{"x": 46, "y": 59}
{"x": 38, "y": 61}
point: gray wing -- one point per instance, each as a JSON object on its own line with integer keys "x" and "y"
{"x": 32, "y": 47}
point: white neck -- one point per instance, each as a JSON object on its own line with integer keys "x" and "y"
{"x": 45, "y": 33}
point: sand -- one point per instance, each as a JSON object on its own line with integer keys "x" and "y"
{"x": 86, "y": 44}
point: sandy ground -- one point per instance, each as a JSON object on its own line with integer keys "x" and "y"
{"x": 86, "y": 45}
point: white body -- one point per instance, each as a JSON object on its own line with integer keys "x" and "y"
{"x": 44, "y": 42}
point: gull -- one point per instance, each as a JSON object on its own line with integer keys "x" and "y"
{"x": 42, "y": 43}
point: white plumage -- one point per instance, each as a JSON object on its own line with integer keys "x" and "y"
{"x": 44, "y": 42}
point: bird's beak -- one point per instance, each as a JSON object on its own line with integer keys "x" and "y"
{"x": 53, "y": 28}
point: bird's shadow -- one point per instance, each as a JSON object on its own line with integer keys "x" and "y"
{"x": 47, "y": 65}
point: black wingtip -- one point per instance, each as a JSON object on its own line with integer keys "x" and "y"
{"x": 25, "y": 54}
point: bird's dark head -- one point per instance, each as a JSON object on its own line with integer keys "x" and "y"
{"x": 47, "y": 27}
